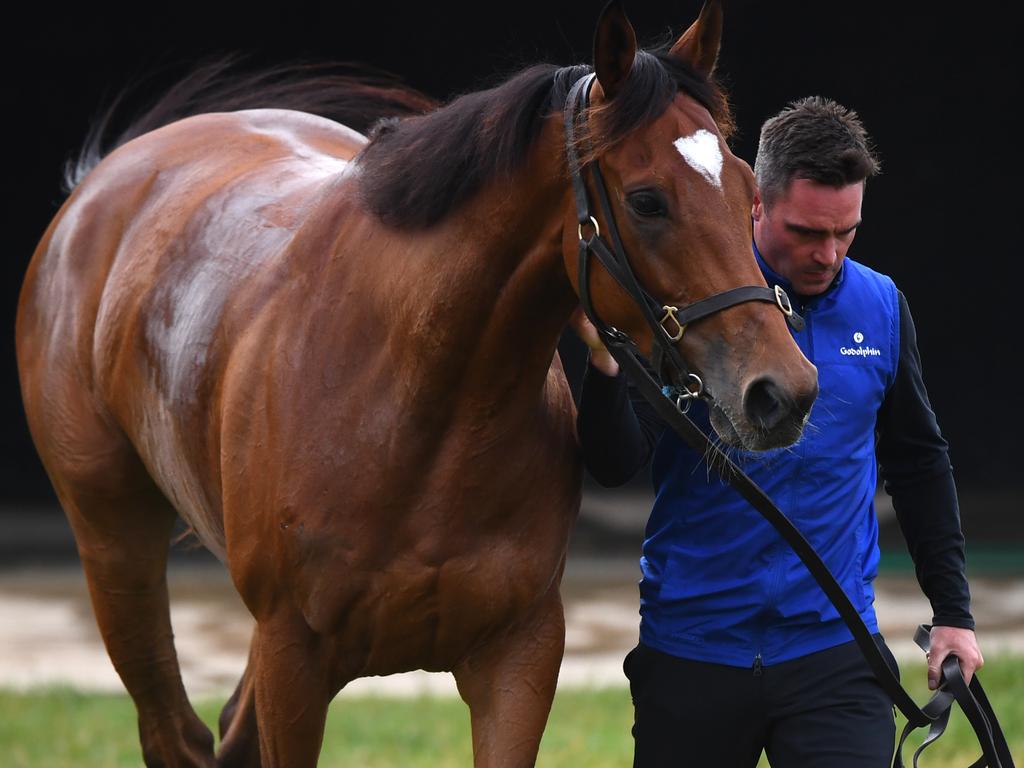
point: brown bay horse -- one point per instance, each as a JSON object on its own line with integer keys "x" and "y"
{"x": 335, "y": 358}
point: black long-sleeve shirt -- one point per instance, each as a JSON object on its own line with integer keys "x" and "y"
{"x": 618, "y": 430}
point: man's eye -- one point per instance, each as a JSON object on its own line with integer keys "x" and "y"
{"x": 646, "y": 204}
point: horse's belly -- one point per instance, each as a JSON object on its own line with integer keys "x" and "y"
{"x": 475, "y": 553}
{"x": 166, "y": 447}
{"x": 431, "y": 617}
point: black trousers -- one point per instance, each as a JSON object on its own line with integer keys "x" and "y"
{"x": 825, "y": 709}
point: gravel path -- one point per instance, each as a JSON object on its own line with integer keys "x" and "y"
{"x": 48, "y": 635}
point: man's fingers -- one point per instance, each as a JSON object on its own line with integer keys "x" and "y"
{"x": 934, "y": 669}
{"x": 585, "y": 329}
{"x": 947, "y": 640}
{"x": 969, "y": 664}
{"x": 600, "y": 357}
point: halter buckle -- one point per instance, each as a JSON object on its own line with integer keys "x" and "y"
{"x": 782, "y": 299}
{"x": 670, "y": 312}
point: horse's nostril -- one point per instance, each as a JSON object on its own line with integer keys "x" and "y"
{"x": 805, "y": 400}
{"x": 766, "y": 404}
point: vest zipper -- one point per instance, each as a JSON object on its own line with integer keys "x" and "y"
{"x": 778, "y": 563}
{"x": 805, "y": 313}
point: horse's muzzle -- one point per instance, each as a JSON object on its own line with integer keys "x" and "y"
{"x": 775, "y": 413}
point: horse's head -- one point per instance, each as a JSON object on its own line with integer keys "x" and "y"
{"x": 655, "y": 131}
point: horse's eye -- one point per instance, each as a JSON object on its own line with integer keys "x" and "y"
{"x": 647, "y": 203}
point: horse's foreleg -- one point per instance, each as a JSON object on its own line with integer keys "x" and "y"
{"x": 292, "y": 691}
{"x": 240, "y": 746}
{"x": 123, "y": 540}
{"x": 509, "y": 685}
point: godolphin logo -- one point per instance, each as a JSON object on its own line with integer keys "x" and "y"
{"x": 859, "y": 351}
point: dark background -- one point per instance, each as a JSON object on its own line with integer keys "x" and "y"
{"x": 934, "y": 87}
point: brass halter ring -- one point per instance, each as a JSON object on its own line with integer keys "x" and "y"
{"x": 686, "y": 396}
{"x": 670, "y": 312}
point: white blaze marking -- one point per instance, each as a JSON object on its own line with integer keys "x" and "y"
{"x": 701, "y": 151}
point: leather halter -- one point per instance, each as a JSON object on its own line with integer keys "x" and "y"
{"x": 934, "y": 714}
{"x": 616, "y": 262}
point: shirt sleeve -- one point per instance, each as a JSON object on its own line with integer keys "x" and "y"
{"x": 917, "y": 474}
{"x": 617, "y": 428}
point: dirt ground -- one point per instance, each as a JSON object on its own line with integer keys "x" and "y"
{"x": 48, "y": 635}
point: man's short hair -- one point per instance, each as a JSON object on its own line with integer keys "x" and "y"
{"x": 813, "y": 138}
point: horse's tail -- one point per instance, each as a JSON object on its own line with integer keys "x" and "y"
{"x": 357, "y": 96}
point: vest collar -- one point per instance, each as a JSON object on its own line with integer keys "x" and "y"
{"x": 774, "y": 278}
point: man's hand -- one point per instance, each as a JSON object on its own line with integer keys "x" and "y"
{"x": 600, "y": 357}
{"x": 947, "y": 640}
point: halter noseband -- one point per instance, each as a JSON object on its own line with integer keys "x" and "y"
{"x": 667, "y": 322}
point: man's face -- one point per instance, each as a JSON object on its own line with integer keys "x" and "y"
{"x": 805, "y": 234}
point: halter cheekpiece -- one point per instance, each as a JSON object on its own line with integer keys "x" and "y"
{"x": 667, "y": 322}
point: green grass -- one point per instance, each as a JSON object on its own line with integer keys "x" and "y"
{"x": 60, "y": 728}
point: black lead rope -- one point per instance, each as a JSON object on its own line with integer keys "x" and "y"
{"x": 935, "y": 714}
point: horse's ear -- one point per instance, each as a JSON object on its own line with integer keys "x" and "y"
{"x": 699, "y": 45}
{"x": 614, "y": 48}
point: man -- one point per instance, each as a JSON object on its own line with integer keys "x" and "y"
{"x": 739, "y": 648}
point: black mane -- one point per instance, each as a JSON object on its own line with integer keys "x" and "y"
{"x": 418, "y": 169}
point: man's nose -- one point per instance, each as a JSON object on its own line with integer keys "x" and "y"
{"x": 826, "y": 253}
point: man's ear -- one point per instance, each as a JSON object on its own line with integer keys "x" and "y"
{"x": 757, "y": 209}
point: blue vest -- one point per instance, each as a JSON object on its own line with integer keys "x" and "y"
{"x": 719, "y": 584}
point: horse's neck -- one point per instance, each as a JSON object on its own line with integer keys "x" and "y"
{"x": 484, "y": 295}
